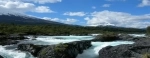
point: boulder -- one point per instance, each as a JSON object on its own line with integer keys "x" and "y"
{"x": 10, "y": 39}
{"x": 126, "y": 37}
{"x": 58, "y": 51}
{"x": 8, "y": 42}
{"x": 33, "y": 49}
{"x": 65, "y": 50}
{"x": 1, "y": 56}
{"x": 62, "y": 50}
{"x": 106, "y": 38}
{"x": 140, "y": 49}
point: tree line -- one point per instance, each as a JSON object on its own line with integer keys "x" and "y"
{"x": 62, "y": 29}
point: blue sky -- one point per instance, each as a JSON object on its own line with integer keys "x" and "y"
{"x": 124, "y": 13}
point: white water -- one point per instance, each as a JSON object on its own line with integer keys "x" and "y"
{"x": 13, "y": 53}
{"x": 49, "y": 40}
{"x": 96, "y": 46}
{"x": 137, "y": 35}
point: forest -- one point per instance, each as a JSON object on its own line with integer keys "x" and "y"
{"x": 63, "y": 29}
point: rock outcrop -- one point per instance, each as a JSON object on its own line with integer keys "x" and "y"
{"x": 106, "y": 38}
{"x": 33, "y": 49}
{"x": 126, "y": 37}
{"x": 62, "y": 50}
{"x": 10, "y": 39}
{"x": 1, "y": 56}
{"x": 140, "y": 49}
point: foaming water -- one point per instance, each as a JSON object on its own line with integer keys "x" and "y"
{"x": 13, "y": 53}
{"x": 92, "y": 52}
{"x": 137, "y": 35}
{"x": 61, "y": 39}
{"x": 96, "y": 46}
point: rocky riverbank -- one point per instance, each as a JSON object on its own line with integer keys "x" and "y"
{"x": 11, "y": 39}
{"x": 63, "y": 50}
{"x": 70, "y": 50}
{"x": 140, "y": 49}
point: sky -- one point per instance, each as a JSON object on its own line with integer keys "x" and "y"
{"x": 122, "y": 13}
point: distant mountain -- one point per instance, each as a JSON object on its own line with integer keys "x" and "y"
{"x": 23, "y": 19}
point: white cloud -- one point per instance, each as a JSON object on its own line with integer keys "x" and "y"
{"x": 15, "y": 6}
{"x": 19, "y": 6}
{"x": 51, "y": 19}
{"x": 44, "y": 1}
{"x": 144, "y": 3}
{"x": 106, "y": 5}
{"x": 93, "y": 7}
{"x": 118, "y": 19}
{"x": 67, "y": 21}
{"x": 43, "y": 9}
{"x": 75, "y": 13}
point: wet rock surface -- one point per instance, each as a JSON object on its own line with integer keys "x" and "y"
{"x": 140, "y": 49}
{"x": 106, "y": 38}
{"x": 10, "y": 39}
{"x": 33, "y": 49}
{"x": 62, "y": 50}
{"x": 1, "y": 56}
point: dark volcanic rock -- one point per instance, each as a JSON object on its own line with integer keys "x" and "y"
{"x": 140, "y": 49}
{"x": 66, "y": 50}
{"x": 8, "y": 42}
{"x": 11, "y": 39}
{"x": 126, "y": 37}
{"x": 62, "y": 50}
{"x": 106, "y": 38}
{"x": 1, "y": 56}
{"x": 33, "y": 49}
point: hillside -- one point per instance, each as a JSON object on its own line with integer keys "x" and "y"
{"x": 23, "y": 19}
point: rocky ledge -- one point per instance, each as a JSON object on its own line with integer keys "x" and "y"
{"x": 11, "y": 39}
{"x": 121, "y": 37}
{"x": 62, "y": 50}
{"x": 140, "y": 49}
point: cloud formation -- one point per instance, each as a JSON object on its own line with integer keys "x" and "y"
{"x": 43, "y": 1}
{"x": 67, "y": 20}
{"x": 144, "y": 3}
{"x": 118, "y": 19}
{"x": 20, "y": 6}
{"x": 43, "y": 9}
{"x": 75, "y": 14}
{"x": 106, "y": 5}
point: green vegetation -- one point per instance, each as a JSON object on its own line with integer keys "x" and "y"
{"x": 148, "y": 30}
{"x": 146, "y": 55}
{"x": 60, "y": 47}
{"x": 61, "y": 29}
{"x": 108, "y": 36}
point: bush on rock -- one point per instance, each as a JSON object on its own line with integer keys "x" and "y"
{"x": 108, "y": 36}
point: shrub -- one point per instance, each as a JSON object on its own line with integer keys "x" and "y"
{"x": 108, "y": 36}
{"x": 146, "y": 55}
{"x": 60, "y": 47}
